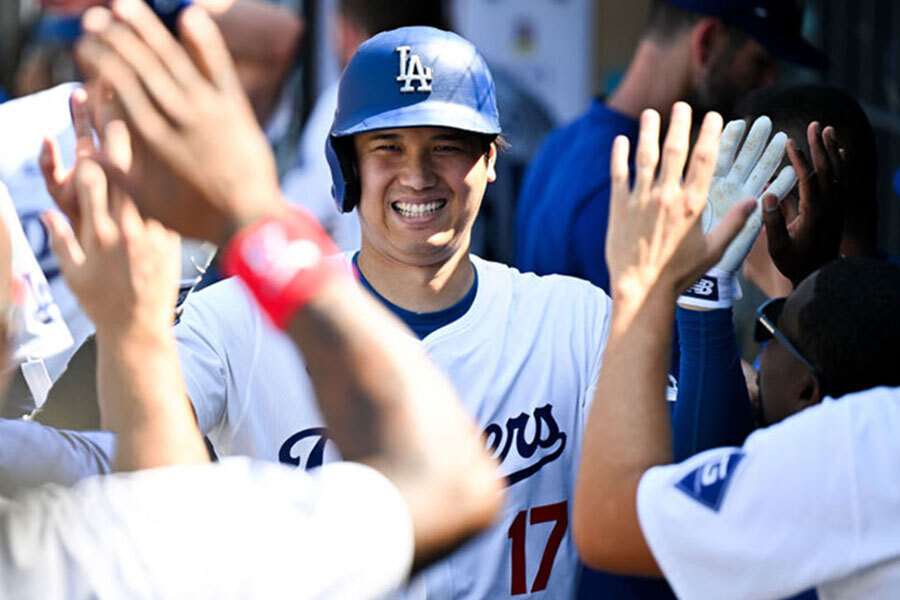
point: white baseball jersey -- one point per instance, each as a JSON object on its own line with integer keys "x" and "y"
{"x": 524, "y": 359}
{"x": 812, "y": 501}
{"x": 24, "y": 123}
{"x": 342, "y": 532}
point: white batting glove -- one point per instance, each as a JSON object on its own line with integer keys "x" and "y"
{"x": 733, "y": 182}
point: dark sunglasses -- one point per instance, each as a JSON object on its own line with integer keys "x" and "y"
{"x": 766, "y": 328}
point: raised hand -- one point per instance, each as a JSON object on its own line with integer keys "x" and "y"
{"x": 800, "y": 242}
{"x": 655, "y": 238}
{"x": 201, "y": 163}
{"x": 59, "y": 181}
{"x": 123, "y": 270}
{"x": 734, "y": 180}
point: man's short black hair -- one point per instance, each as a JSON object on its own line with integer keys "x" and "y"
{"x": 793, "y": 108}
{"x": 375, "y": 16}
{"x": 850, "y": 329}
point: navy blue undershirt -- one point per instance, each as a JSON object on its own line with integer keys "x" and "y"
{"x": 423, "y": 324}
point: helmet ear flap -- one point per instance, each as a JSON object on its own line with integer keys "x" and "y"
{"x": 345, "y": 189}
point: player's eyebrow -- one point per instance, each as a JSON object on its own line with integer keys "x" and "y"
{"x": 385, "y": 136}
{"x": 449, "y": 137}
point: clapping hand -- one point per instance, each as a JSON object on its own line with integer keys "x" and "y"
{"x": 655, "y": 239}
{"x": 803, "y": 239}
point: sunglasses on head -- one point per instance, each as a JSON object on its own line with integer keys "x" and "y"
{"x": 766, "y": 328}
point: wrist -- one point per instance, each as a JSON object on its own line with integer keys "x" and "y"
{"x": 242, "y": 218}
{"x": 285, "y": 261}
{"x": 716, "y": 289}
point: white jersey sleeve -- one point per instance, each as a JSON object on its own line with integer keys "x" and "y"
{"x": 203, "y": 348}
{"x": 813, "y": 501}
{"x": 32, "y": 454}
{"x": 239, "y": 529}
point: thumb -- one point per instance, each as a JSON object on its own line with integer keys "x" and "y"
{"x": 777, "y": 235}
{"x": 728, "y": 229}
{"x": 63, "y": 242}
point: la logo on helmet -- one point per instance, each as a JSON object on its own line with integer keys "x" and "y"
{"x": 412, "y": 69}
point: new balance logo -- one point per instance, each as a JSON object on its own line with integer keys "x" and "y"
{"x": 705, "y": 288}
{"x": 546, "y": 437}
{"x": 412, "y": 69}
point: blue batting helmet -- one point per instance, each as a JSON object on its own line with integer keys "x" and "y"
{"x": 408, "y": 77}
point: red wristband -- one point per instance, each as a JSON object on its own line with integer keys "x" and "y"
{"x": 284, "y": 262}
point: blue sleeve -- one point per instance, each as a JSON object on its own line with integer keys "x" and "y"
{"x": 32, "y": 454}
{"x": 588, "y": 242}
{"x": 713, "y": 408}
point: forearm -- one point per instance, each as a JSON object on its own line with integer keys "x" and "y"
{"x": 141, "y": 397}
{"x": 387, "y": 405}
{"x": 32, "y": 454}
{"x": 713, "y": 408}
{"x": 627, "y": 432}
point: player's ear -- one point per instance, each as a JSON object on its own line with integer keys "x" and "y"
{"x": 809, "y": 392}
{"x": 492, "y": 162}
{"x": 706, "y": 38}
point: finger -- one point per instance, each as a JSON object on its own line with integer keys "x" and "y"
{"x": 824, "y": 173}
{"x": 803, "y": 171}
{"x": 117, "y": 148}
{"x": 50, "y": 162}
{"x": 731, "y": 137}
{"x": 153, "y": 75}
{"x": 703, "y": 160}
{"x": 144, "y": 119}
{"x": 832, "y": 149}
{"x": 647, "y": 156}
{"x": 675, "y": 146}
{"x": 91, "y": 189}
{"x": 719, "y": 238}
{"x": 206, "y": 46}
{"x": 618, "y": 170}
{"x": 777, "y": 236}
{"x": 81, "y": 120}
{"x": 151, "y": 30}
{"x": 62, "y": 240}
{"x": 751, "y": 150}
{"x": 784, "y": 183}
{"x": 766, "y": 166}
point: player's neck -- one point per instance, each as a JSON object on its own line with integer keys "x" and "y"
{"x": 656, "y": 78}
{"x": 417, "y": 288}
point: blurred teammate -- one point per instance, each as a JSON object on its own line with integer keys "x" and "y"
{"x": 360, "y": 526}
{"x": 706, "y": 52}
{"x": 769, "y": 502}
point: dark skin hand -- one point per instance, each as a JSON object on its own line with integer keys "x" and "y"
{"x": 802, "y": 240}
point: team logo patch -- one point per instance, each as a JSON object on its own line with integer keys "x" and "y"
{"x": 706, "y": 288}
{"x": 708, "y": 483}
{"x": 412, "y": 70}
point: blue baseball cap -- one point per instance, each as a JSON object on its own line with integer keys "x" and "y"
{"x": 775, "y": 24}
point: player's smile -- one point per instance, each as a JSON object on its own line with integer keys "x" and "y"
{"x": 417, "y": 212}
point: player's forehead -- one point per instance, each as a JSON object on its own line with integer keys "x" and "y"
{"x": 418, "y": 134}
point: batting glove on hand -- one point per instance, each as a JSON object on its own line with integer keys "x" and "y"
{"x": 735, "y": 180}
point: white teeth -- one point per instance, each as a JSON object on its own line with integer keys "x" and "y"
{"x": 407, "y": 209}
